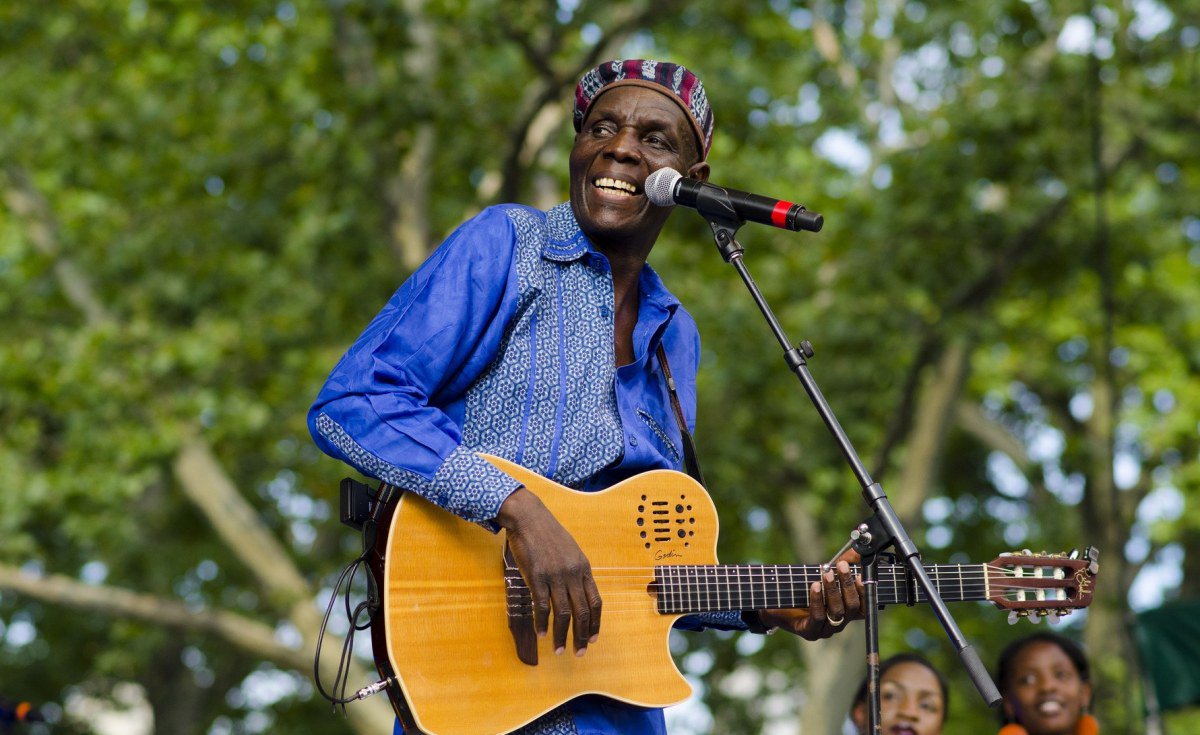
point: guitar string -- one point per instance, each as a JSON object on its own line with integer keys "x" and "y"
{"x": 803, "y": 569}
{"x": 702, "y": 584}
{"x": 633, "y": 599}
{"x": 519, "y": 610}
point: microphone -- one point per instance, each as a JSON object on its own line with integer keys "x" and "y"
{"x": 667, "y": 187}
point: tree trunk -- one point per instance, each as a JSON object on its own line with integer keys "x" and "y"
{"x": 1107, "y": 521}
{"x": 833, "y": 668}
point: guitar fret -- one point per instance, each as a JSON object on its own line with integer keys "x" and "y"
{"x": 677, "y": 588}
{"x": 737, "y": 573}
{"x": 706, "y": 575}
{"x": 712, "y": 593}
{"x": 881, "y": 586}
{"x": 695, "y": 589}
{"x": 772, "y": 590}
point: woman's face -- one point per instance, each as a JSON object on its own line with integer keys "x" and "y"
{"x": 1045, "y": 694}
{"x": 910, "y": 702}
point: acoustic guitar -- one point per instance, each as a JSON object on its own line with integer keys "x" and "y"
{"x": 448, "y": 596}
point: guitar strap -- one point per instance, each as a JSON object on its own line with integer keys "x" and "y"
{"x": 690, "y": 463}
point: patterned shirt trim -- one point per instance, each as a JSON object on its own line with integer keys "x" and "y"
{"x": 466, "y": 484}
{"x": 564, "y": 240}
{"x": 558, "y": 722}
{"x": 724, "y": 620}
{"x": 662, "y": 435}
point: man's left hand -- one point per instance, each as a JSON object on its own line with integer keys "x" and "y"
{"x": 832, "y": 603}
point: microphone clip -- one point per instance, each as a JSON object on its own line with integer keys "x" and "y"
{"x": 724, "y": 232}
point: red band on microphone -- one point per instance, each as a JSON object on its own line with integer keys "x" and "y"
{"x": 779, "y": 213}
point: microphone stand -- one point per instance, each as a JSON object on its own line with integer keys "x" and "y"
{"x": 884, "y": 527}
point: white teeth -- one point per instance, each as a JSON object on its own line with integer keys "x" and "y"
{"x": 613, "y": 184}
{"x": 1050, "y": 708}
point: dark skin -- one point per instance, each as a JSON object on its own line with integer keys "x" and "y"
{"x": 629, "y": 133}
{"x": 910, "y": 702}
{"x": 1045, "y": 692}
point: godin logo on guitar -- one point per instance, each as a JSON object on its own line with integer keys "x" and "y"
{"x": 1084, "y": 580}
{"x": 660, "y": 555}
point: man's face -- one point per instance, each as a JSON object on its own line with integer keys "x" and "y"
{"x": 1045, "y": 693}
{"x": 629, "y": 133}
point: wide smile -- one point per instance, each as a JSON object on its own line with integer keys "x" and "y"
{"x": 1050, "y": 708}
{"x": 617, "y": 189}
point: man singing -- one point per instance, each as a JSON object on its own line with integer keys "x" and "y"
{"x": 536, "y": 336}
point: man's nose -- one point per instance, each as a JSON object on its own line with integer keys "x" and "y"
{"x": 623, "y": 145}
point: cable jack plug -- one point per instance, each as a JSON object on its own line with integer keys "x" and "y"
{"x": 375, "y": 688}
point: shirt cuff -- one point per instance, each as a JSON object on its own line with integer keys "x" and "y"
{"x": 471, "y": 487}
{"x": 724, "y": 620}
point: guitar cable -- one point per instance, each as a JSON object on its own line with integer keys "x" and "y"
{"x": 368, "y": 607}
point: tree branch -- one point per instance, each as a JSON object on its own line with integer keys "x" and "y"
{"x": 244, "y": 633}
{"x": 976, "y": 293}
{"x": 25, "y": 201}
{"x": 902, "y": 417}
{"x": 926, "y": 440}
{"x": 407, "y": 192}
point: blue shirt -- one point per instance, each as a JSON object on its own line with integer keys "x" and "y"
{"x": 502, "y": 342}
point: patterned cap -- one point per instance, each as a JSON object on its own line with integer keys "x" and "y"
{"x": 662, "y": 76}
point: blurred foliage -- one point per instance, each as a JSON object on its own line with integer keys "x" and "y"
{"x": 1015, "y": 177}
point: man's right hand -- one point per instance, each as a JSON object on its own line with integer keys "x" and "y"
{"x": 557, "y": 573}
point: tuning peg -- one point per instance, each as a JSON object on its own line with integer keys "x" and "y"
{"x": 1035, "y": 619}
{"x": 1013, "y": 617}
{"x": 1073, "y": 554}
{"x": 1053, "y": 617}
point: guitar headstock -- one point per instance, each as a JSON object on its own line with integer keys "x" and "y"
{"x": 1037, "y": 586}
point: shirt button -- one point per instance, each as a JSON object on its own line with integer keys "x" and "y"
{"x": 632, "y": 440}
{"x": 604, "y": 312}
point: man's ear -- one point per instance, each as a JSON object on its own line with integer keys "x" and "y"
{"x": 698, "y": 171}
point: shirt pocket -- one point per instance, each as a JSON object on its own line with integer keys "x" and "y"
{"x": 664, "y": 440}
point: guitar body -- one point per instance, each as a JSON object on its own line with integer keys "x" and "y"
{"x": 446, "y": 608}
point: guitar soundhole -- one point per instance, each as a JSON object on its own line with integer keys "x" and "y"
{"x": 665, "y": 521}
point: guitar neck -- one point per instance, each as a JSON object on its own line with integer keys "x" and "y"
{"x": 685, "y": 589}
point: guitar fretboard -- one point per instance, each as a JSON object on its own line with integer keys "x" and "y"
{"x": 711, "y": 588}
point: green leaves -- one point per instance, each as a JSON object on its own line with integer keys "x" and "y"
{"x": 200, "y": 212}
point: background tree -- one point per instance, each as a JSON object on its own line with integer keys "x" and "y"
{"x": 204, "y": 203}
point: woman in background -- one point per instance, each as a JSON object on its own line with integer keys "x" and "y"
{"x": 913, "y": 698}
{"x": 1046, "y": 685}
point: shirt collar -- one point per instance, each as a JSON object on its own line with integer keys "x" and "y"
{"x": 565, "y": 242}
